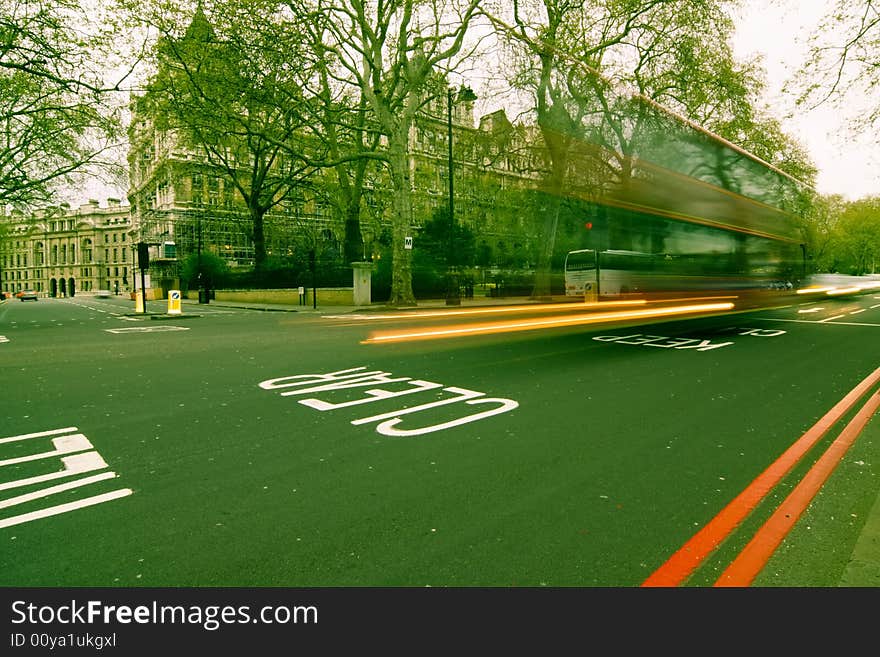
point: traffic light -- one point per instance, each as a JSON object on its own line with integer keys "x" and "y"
{"x": 143, "y": 255}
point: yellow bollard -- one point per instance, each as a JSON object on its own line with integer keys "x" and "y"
{"x": 174, "y": 302}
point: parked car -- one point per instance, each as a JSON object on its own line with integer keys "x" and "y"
{"x": 28, "y": 295}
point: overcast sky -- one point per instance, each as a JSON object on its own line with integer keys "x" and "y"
{"x": 779, "y": 30}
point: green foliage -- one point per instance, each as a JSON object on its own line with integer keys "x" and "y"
{"x": 856, "y": 238}
{"x": 213, "y": 269}
{"x": 442, "y": 243}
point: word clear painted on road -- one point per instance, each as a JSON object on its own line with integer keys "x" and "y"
{"x": 77, "y": 457}
{"x": 358, "y": 377}
{"x": 147, "y": 329}
{"x": 696, "y": 344}
{"x": 3, "y": 339}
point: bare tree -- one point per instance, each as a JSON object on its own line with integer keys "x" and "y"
{"x": 57, "y": 110}
{"x": 844, "y": 61}
{"x": 232, "y": 87}
{"x": 391, "y": 51}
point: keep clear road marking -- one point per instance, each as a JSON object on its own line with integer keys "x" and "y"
{"x": 81, "y": 459}
{"x": 345, "y": 381}
{"x": 3, "y": 339}
{"x": 810, "y": 321}
{"x": 147, "y": 329}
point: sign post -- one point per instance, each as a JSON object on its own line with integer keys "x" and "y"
{"x": 143, "y": 265}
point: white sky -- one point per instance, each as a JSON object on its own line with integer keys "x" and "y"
{"x": 778, "y": 30}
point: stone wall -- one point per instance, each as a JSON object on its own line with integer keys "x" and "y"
{"x": 328, "y": 296}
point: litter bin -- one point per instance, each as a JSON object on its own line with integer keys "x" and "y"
{"x": 204, "y": 297}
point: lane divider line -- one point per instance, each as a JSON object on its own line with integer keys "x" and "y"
{"x": 678, "y": 567}
{"x": 757, "y": 553}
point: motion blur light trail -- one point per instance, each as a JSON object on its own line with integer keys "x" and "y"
{"x": 543, "y": 323}
{"x": 531, "y": 307}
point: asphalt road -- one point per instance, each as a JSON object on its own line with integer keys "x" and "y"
{"x": 225, "y": 447}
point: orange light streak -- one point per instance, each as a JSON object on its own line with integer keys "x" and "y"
{"x": 532, "y": 307}
{"x": 548, "y": 322}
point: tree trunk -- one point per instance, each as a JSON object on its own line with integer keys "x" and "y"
{"x": 259, "y": 237}
{"x": 401, "y": 266}
{"x": 354, "y": 241}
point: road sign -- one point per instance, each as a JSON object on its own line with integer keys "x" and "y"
{"x": 407, "y": 242}
{"x": 174, "y": 302}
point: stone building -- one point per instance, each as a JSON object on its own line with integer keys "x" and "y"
{"x": 62, "y": 251}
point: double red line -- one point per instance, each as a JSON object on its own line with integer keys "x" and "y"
{"x": 755, "y": 555}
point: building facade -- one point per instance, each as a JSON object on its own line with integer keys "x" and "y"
{"x": 62, "y": 251}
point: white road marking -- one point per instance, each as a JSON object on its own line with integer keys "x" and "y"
{"x": 828, "y": 319}
{"x": 73, "y": 465}
{"x": 810, "y": 310}
{"x": 147, "y": 329}
{"x": 357, "y": 377}
{"x": 60, "y": 488}
{"x": 63, "y": 445}
{"x": 856, "y": 312}
{"x": 3, "y": 338}
{"x": 39, "y": 434}
{"x": 64, "y": 442}
{"x": 807, "y": 321}
{"x": 64, "y": 508}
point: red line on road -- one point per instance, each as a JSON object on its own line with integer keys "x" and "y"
{"x": 755, "y": 555}
{"x": 686, "y": 559}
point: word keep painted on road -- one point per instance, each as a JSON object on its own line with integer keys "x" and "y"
{"x": 358, "y": 377}
{"x": 77, "y": 457}
{"x": 696, "y": 344}
{"x": 3, "y": 338}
